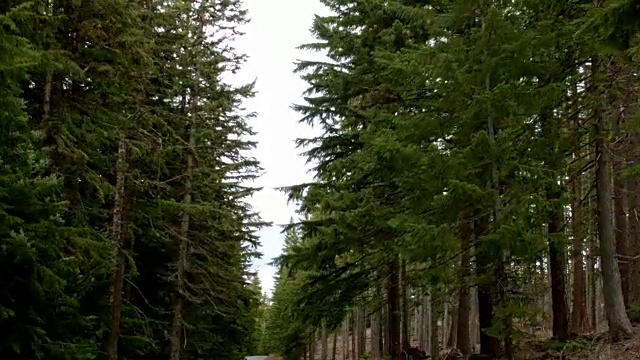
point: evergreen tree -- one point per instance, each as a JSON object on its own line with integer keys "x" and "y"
{"x": 125, "y": 155}
{"x": 449, "y": 126}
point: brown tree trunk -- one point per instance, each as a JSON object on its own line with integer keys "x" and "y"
{"x": 128, "y": 243}
{"x": 622, "y": 246}
{"x": 380, "y": 333}
{"x": 393, "y": 295}
{"x": 452, "y": 329}
{"x": 463, "y": 340}
{"x": 475, "y": 316}
{"x": 345, "y": 338}
{"x": 362, "y": 331}
{"x": 435, "y": 336}
{"x": 619, "y": 324}
{"x": 312, "y": 346}
{"x": 375, "y": 333}
{"x": 422, "y": 323}
{"x": 501, "y": 270}
{"x": 558, "y": 288}
{"x": 489, "y": 345}
{"x": 335, "y": 345}
{"x": 117, "y": 230}
{"x": 445, "y": 322}
{"x": 579, "y": 319}
{"x": 406, "y": 342}
{"x": 175, "y": 337}
{"x": 619, "y": 214}
{"x": 428, "y": 315}
{"x": 591, "y": 276}
{"x": 416, "y": 319}
{"x": 386, "y": 334}
{"x": 557, "y": 255}
{"x": 324, "y": 343}
{"x": 354, "y": 348}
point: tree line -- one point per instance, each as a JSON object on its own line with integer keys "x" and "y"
{"x": 476, "y": 179}
{"x": 124, "y": 229}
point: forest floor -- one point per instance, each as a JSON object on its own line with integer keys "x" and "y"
{"x": 585, "y": 347}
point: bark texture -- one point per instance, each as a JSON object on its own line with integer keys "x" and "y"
{"x": 117, "y": 230}
{"x": 619, "y": 324}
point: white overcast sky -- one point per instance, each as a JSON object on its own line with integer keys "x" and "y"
{"x": 277, "y": 27}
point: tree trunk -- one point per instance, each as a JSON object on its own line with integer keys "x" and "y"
{"x": 619, "y": 324}
{"x": 128, "y": 243}
{"x": 475, "y": 321}
{"x": 592, "y": 259}
{"x": 345, "y": 338}
{"x": 619, "y": 214}
{"x": 428, "y": 314}
{"x": 452, "y": 338}
{"x": 422, "y": 324}
{"x": 579, "y": 321}
{"x": 335, "y": 345}
{"x": 117, "y": 232}
{"x": 474, "y": 327}
{"x": 393, "y": 287}
{"x": 501, "y": 269}
{"x": 375, "y": 331}
{"x": 182, "y": 240}
{"x": 386, "y": 334}
{"x": 558, "y": 288}
{"x": 622, "y": 246}
{"x": 593, "y": 272}
{"x": 362, "y": 331}
{"x": 312, "y": 346}
{"x": 354, "y": 348}
{"x": 416, "y": 319}
{"x": 557, "y": 255}
{"x": 380, "y": 332}
{"x": 434, "y": 339}
{"x": 324, "y": 343}
{"x": 463, "y": 340}
{"x": 445, "y": 322}
{"x": 406, "y": 342}
{"x": 489, "y": 345}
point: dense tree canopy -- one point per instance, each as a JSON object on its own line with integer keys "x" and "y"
{"x": 125, "y": 228}
{"x": 476, "y": 181}
{"x": 466, "y": 138}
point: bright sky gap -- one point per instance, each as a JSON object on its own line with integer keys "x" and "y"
{"x": 271, "y": 39}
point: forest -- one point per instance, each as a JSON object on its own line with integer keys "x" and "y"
{"x": 476, "y": 188}
{"x": 124, "y": 227}
{"x": 476, "y": 185}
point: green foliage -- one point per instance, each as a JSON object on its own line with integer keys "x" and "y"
{"x": 78, "y": 79}
{"x": 284, "y": 331}
{"x": 435, "y": 115}
{"x": 578, "y": 344}
{"x": 634, "y": 312}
